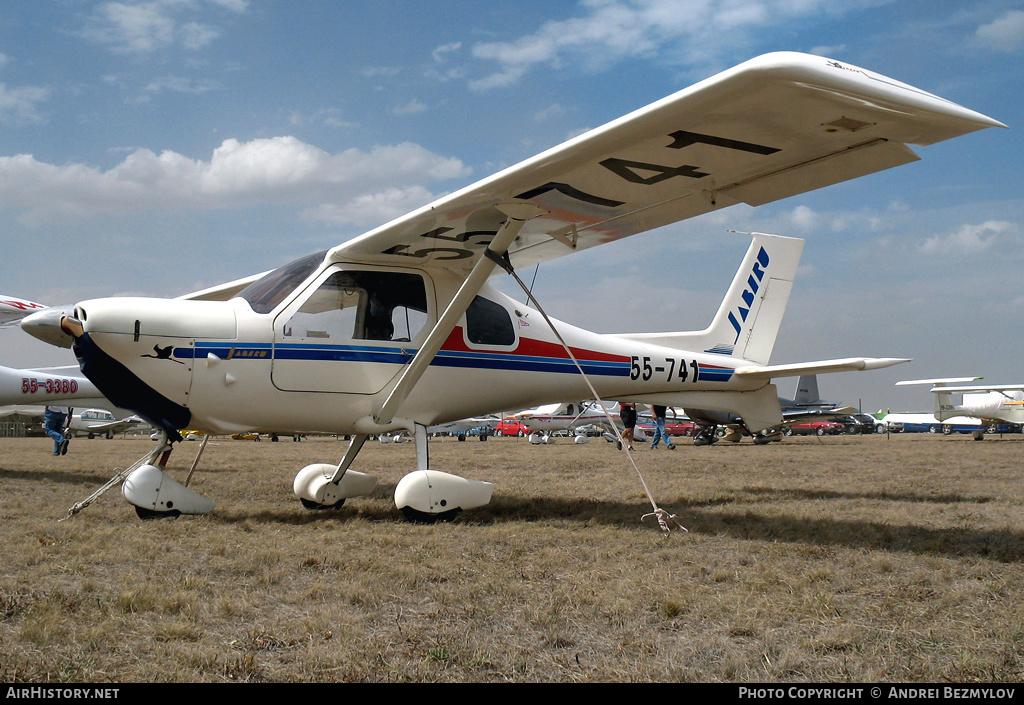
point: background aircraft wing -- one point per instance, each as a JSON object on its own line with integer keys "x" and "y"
{"x": 13, "y": 309}
{"x": 969, "y": 389}
{"x": 776, "y": 126}
{"x": 22, "y": 414}
{"x": 792, "y": 417}
{"x": 223, "y": 292}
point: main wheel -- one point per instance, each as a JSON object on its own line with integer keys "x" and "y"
{"x": 151, "y": 514}
{"x": 418, "y": 517}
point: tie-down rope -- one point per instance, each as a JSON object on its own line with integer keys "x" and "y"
{"x": 658, "y": 513}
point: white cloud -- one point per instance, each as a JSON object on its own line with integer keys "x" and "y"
{"x": 354, "y": 185}
{"x": 144, "y": 27}
{"x": 411, "y": 108}
{"x": 1004, "y": 34}
{"x": 552, "y": 111}
{"x": 803, "y": 218}
{"x": 441, "y": 53}
{"x": 608, "y": 31}
{"x": 968, "y": 240}
{"x": 178, "y": 84}
{"x": 20, "y": 105}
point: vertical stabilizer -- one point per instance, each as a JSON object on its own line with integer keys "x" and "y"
{"x": 748, "y": 320}
{"x": 807, "y": 391}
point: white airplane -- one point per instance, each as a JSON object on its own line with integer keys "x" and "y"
{"x": 24, "y": 395}
{"x": 920, "y": 422}
{"x": 399, "y": 329}
{"x": 549, "y": 418}
{"x": 89, "y": 422}
{"x": 100, "y": 422}
{"x": 59, "y": 386}
{"x": 13, "y": 309}
{"x": 993, "y": 403}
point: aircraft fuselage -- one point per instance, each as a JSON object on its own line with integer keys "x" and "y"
{"x": 223, "y": 367}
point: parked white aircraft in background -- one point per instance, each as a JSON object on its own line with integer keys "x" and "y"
{"x": 919, "y": 422}
{"x": 398, "y": 329}
{"x": 549, "y": 418}
{"x": 25, "y": 394}
{"x": 991, "y": 403}
{"x": 100, "y": 422}
{"x": 13, "y": 309}
{"x": 59, "y": 386}
{"x": 87, "y": 422}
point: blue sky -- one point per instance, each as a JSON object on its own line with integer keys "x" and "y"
{"x": 155, "y": 148}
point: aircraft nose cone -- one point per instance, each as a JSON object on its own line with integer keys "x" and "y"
{"x": 46, "y": 325}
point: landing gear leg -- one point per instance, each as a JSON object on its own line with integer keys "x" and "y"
{"x": 707, "y": 436}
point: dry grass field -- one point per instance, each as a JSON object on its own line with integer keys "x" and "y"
{"x": 838, "y": 559}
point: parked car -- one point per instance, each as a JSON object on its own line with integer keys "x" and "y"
{"x": 815, "y": 428}
{"x": 862, "y": 423}
{"x": 510, "y": 426}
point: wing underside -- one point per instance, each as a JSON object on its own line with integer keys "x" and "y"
{"x": 774, "y": 127}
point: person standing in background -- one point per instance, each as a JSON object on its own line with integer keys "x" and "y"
{"x": 54, "y": 419}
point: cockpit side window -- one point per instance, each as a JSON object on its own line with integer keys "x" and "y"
{"x": 362, "y": 305}
{"x": 488, "y": 323}
{"x": 266, "y": 293}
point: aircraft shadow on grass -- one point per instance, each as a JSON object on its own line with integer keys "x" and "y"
{"x": 1004, "y": 545}
{"x": 59, "y": 476}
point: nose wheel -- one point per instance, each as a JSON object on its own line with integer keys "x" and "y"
{"x": 150, "y": 515}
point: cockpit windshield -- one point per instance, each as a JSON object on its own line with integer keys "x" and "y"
{"x": 266, "y": 293}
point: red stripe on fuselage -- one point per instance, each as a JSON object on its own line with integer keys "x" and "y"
{"x": 528, "y": 347}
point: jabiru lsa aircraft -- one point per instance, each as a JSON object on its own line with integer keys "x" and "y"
{"x": 399, "y": 329}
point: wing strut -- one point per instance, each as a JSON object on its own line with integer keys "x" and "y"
{"x": 518, "y": 214}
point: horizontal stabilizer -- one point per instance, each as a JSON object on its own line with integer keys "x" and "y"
{"x": 850, "y": 364}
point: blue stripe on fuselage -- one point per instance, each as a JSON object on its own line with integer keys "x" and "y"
{"x": 397, "y": 356}
{"x": 444, "y": 358}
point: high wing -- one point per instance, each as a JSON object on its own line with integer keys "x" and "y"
{"x": 776, "y": 126}
{"x": 980, "y": 388}
{"x": 955, "y": 385}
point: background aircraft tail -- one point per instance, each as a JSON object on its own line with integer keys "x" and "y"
{"x": 944, "y": 406}
{"x": 807, "y": 391}
{"x": 748, "y": 320}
